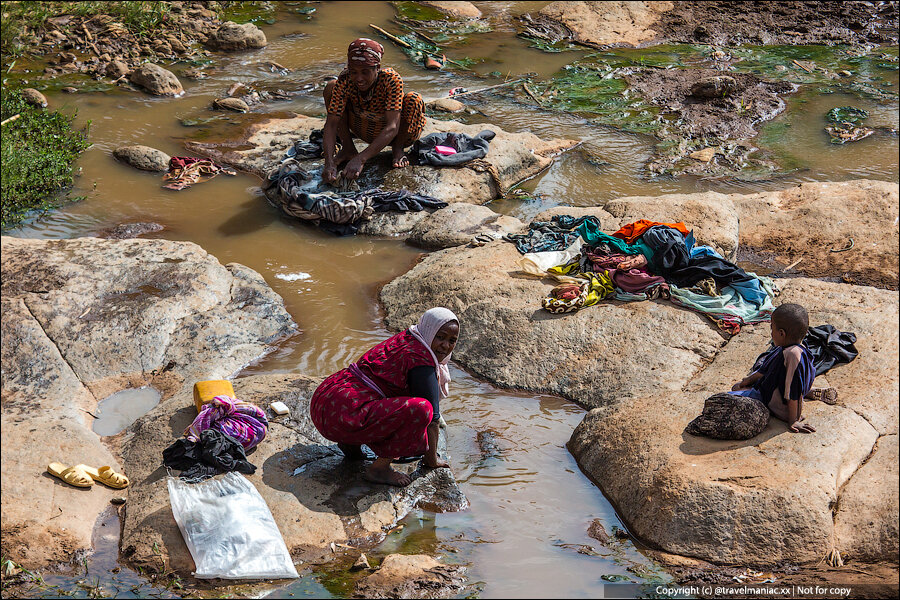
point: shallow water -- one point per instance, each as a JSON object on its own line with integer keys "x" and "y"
{"x": 530, "y": 504}
{"x": 117, "y": 411}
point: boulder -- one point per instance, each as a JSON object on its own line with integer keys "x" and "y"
{"x": 447, "y": 105}
{"x": 117, "y": 69}
{"x": 460, "y": 10}
{"x": 595, "y": 356}
{"x": 156, "y": 80}
{"x": 230, "y": 37}
{"x": 608, "y": 23}
{"x": 718, "y": 86}
{"x": 514, "y": 156}
{"x": 812, "y": 220}
{"x": 143, "y": 157}
{"x": 34, "y": 97}
{"x": 459, "y": 224}
{"x": 316, "y": 497}
{"x": 235, "y": 104}
{"x": 412, "y": 576}
{"x": 778, "y": 496}
{"x": 85, "y": 318}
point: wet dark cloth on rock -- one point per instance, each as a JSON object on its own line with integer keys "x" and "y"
{"x": 215, "y": 453}
{"x": 288, "y": 188}
{"x": 308, "y": 149}
{"x": 828, "y": 346}
{"x": 467, "y": 148}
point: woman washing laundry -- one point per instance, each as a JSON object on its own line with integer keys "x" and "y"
{"x": 389, "y": 398}
{"x": 367, "y": 101}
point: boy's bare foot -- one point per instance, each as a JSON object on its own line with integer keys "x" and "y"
{"x": 826, "y": 395}
{"x": 799, "y": 426}
{"x": 387, "y": 476}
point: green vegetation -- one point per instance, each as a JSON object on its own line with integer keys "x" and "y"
{"x": 592, "y": 90}
{"x": 846, "y": 114}
{"x": 248, "y": 12}
{"x": 419, "y": 12}
{"x": 21, "y": 19}
{"x": 38, "y": 157}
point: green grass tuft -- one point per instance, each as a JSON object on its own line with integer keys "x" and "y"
{"x": 39, "y": 150}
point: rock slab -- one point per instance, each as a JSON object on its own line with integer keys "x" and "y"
{"x": 315, "y": 496}
{"x": 85, "y": 318}
{"x": 777, "y": 496}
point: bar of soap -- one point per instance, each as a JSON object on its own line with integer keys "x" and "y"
{"x": 279, "y": 408}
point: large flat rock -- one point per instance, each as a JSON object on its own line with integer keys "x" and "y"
{"x": 608, "y": 23}
{"x": 807, "y": 222}
{"x": 315, "y": 496}
{"x": 778, "y": 496}
{"x": 595, "y": 356}
{"x": 514, "y": 156}
{"x": 85, "y": 318}
{"x": 812, "y": 220}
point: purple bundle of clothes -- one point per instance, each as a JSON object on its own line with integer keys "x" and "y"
{"x": 245, "y": 422}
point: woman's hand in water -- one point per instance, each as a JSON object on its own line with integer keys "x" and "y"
{"x": 354, "y": 167}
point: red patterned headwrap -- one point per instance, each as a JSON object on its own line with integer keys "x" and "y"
{"x": 365, "y": 51}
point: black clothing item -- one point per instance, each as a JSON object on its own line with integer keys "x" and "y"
{"x": 215, "y": 453}
{"x": 829, "y": 346}
{"x": 672, "y": 260}
{"x": 546, "y": 236}
{"x": 311, "y": 149}
{"x": 467, "y": 148}
{"x": 423, "y": 383}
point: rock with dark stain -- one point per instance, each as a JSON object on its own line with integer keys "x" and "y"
{"x": 730, "y": 417}
{"x": 412, "y": 576}
{"x": 718, "y": 86}
{"x": 130, "y": 230}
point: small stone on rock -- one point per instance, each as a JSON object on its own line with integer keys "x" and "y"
{"x": 704, "y": 155}
{"x": 118, "y": 500}
{"x": 361, "y": 563}
{"x": 34, "y": 97}
{"x": 235, "y": 104}
{"x": 447, "y": 105}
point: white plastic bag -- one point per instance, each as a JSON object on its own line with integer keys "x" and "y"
{"x": 229, "y": 529}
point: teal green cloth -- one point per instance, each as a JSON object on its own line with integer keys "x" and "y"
{"x": 590, "y": 231}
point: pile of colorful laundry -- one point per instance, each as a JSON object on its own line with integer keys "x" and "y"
{"x": 641, "y": 261}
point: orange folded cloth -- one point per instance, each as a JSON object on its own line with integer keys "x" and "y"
{"x": 633, "y": 231}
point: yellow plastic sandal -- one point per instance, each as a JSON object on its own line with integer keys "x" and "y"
{"x": 106, "y": 476}
{"x": 72, "y": 475}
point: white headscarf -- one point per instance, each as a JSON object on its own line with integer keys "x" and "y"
{"x": 429, "y": 324}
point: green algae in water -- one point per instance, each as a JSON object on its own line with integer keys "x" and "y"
{"x": 546, "y": 46}
{"x": 249, "y": 12}
{"x": 847, "y": 114}
{"x": 587, "y": 90}
{"x": 419, "y": 12}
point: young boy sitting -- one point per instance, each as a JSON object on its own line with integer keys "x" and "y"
{"x": 786, "y": 375}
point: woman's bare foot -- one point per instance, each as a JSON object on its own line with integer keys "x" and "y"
{"x": 386, "y": 475}
{"x": 633, "y": 262}
{"x": 400, "y": 161}
{"x": 826, "y": 395}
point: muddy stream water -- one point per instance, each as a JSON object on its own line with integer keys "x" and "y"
{"x": 530, "y": 503}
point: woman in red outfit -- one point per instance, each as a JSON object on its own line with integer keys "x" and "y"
{"x": 389, "y": 398}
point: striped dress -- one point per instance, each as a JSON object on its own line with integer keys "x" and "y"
{"x": 367, "y": 111}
